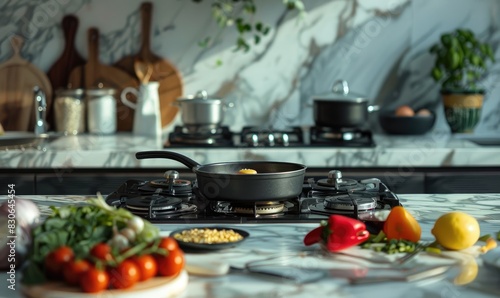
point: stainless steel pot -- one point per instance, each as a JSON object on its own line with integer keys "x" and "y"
{"x": 200, "y": 110}
{"x": 341, "y": 108}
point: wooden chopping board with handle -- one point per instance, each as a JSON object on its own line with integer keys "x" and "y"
{"x": 164, "y": 72}
{"x": 18, "y": 77}
{"x": 94, "y": 74}
{"x": 70, "y": 58}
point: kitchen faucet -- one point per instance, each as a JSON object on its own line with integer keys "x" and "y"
{"x": 40, "y": 111}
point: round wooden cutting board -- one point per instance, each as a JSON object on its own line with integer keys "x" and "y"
{"x": 158, "y": 287}
{"x": 18, "y": 77}
{"x": 95, "y": 74}
{"x": 164, "y": 72}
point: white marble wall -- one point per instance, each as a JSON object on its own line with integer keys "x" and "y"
{"x": 380, "y": 47}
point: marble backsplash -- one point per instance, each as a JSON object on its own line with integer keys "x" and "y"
{"x": 380, "y": 47}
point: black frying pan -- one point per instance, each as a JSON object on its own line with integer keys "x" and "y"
{"x": 274, "y": 181}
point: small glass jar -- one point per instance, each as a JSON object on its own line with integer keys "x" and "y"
{"x": 69, "y": 111}
{"x": 101, "y": 115}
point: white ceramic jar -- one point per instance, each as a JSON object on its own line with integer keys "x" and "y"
{"x": 101, "y": 116}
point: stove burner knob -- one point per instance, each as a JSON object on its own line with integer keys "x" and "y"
{"x": 335, "y": 178}
{"x": 270, "y": 139}
{"x": 285, "y": 139}
{"x": 255, "y": 140}
{"x": 171, "y": 175}
{"x": 335, "y": 174}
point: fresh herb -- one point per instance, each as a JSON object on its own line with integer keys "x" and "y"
{"x": 240, "y": 14}
{"x": 461, "y": 60}
{"x": 380, "y": 243}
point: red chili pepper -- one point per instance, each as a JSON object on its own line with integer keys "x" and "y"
{"x": 338, "y": 233}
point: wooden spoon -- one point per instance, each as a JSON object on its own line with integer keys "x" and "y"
{"x": 143, "y": 70}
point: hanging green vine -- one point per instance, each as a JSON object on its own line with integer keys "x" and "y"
{"x": 240, "y": 14}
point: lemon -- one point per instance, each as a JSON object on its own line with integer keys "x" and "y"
{"x": 456, "y": 230}
{"x": 468, "y": 272}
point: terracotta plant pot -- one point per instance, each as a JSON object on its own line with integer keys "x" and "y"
{"x": 462, "y": 111}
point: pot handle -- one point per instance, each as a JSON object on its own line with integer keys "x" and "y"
{"x": 340, "y": 87}
{"x": 188, "y": 162}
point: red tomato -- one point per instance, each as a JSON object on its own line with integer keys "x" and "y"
{"x": 73, "y": 271}
{"x": 55, "y": 261}
{"x": 94, "y": 280}
{"x": 146, "y": 265}
{"x": 170, "y": 264}
{"x": 102, "y": 251}
{"x": 125, "y": 275}
{"x": 168, "y": 243}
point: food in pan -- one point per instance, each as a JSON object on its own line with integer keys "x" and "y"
{"x": 208, "y": 236}
{"x": 247, "y": 171}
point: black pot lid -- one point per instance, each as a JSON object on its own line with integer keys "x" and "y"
{"x": 200, "y": 97}
{"x": 341, "y": 92}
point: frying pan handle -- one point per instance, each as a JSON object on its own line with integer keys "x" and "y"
{"x": 188, "y": 162}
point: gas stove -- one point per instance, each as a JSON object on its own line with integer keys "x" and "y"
{"x": 175, "y": 200}
{"x": 252, "y": 137}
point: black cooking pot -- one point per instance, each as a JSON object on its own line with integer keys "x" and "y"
{"x": 341, "y": 109}
{"x": 274, "y": 181}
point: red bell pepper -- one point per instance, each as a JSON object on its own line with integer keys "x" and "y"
{"x": 338, "y": 233}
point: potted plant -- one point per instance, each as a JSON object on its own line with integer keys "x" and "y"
{"x": 461, "y": 61}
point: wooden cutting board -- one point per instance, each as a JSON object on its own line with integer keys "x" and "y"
{"x": 18, "y": 77}
{"x": 161, "y": 287}
{"x": 94, "y": 74}
{"x": 70, "y": 58}
{"x": 164, "y": 72}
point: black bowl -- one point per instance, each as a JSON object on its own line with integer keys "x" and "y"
{"x": 400, "y": 125}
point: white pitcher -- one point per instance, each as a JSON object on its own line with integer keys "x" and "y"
{"x": 147, "y": 121}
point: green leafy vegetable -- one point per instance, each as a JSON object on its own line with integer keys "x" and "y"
{"x": 380, "y": 243}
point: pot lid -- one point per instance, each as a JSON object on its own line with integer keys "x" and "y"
{"x": 341, "y": 92}
{"x": 200, "y": 97}
{"x": 100, "y": 91}
{"x": 70, "y": 92}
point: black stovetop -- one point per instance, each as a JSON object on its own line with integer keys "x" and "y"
{"x": 252, "y": 137}
{"x": 159, "y": 202}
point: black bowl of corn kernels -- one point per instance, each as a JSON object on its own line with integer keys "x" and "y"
{"x": 209, "y": 238}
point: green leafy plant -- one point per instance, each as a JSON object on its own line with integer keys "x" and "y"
{"x": 461, "y": 60}
{"x": 240, "y": 14}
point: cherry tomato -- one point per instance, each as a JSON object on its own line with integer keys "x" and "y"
{"x": 125, "y": 275}
{"x": 55, "y": 261}
{"x": 170, "y": 264}
{"x": 102, "y": 251}
{"x": 73, "y": 271}
{"x": 94, "y": 280}
{"x": 146, "y": 265}
{"x": 168, "y": 243}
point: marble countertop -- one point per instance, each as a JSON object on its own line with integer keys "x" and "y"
{"x": 437, "y": 149}
{"x": 271, "y": 244}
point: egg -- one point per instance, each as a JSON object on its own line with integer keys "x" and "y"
{"x": 424, "y": 112}
{"x": 247, "y": 171}
{"x": 405, "y": 111}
